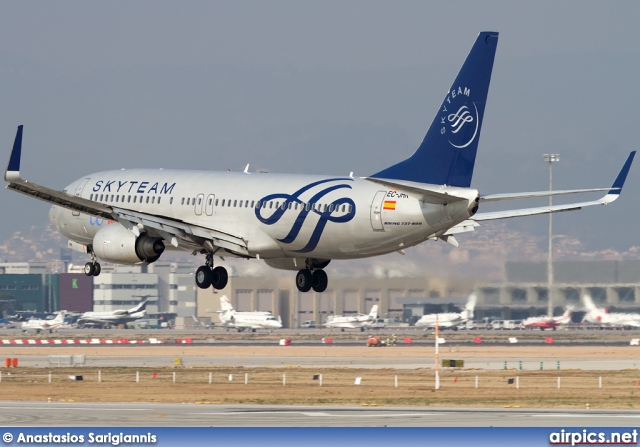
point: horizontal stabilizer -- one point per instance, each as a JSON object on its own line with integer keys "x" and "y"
{"x": 612, "y": 194}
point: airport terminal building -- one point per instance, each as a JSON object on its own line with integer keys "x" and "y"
{"x": 171, "y": 291}
{"x": 612, "y": 284}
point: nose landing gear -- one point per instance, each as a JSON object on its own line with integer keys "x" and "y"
{"x": 92, "y": 268}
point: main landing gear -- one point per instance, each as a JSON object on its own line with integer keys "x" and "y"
{"x": 207, "y": 275}
{"x": 92, "y": 268}
{"x": 307, "y": 279}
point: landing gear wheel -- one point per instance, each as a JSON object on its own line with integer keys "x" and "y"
{"x": 89, "y": 269}
{"x": 304, "y": 280}
{"x": 96, "y": 269}
{"x": 320, "y": 281}
{"x": 203, "y": 277}
{"x": 219, "y": 278}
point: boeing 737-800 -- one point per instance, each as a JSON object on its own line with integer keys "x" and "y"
{"x": 294, "y": 222}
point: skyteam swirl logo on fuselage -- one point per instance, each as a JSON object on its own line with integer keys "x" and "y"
{"x": 331, "y": 212}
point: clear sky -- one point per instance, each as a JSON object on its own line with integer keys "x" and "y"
{"x": 321, "y": 87}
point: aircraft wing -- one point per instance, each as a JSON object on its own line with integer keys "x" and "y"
{"x": 177, "y": 232}
{"x": 612, "y": 194}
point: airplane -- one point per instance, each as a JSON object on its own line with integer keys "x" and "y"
{"x": 294, "y": 222}
{"x": 10, "y": 313}
{"x": 449, "y": 319}
{"x": 360, "y": 321}
{"x": 602, "y": 316}
{"x": 39, "y": 325}
{"x": 113, "y": 318}
{"x": 231, "y": 318}
{"x": 545, "y": 322}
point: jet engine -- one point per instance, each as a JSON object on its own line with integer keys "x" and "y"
{"x": 114, "y": 243}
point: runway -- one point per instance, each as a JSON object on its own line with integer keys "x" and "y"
{"x": 546, "y": 363}
{"x": 68, "y": 414}
{"x": 102, "y": 414}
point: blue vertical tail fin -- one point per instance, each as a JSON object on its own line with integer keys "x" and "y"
{"x": 447, "y": 154}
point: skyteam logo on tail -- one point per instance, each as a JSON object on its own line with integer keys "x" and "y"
{"x": 459, "y": 118}
{"x": 339, "y": 211}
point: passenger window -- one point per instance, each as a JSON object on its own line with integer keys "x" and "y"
{"x": 182, "y": 201}
{"x": 147, "y": 199}
{"x": 153, "y": 199}
{"x": 216, "y": 202}
{"x": 235, "y": 202}
{"x": 223, "y": 200}
{"x": 252, "y": 203}
{"x": 343, "y": 208}
{"x": 199, "y": 200}
{"x": 188, "y": 200}
{"x": 159, "y": 200}
{"x": 171, "y": 201}
{"x": 246, "y": 204}
{"x": 331, "y": 208}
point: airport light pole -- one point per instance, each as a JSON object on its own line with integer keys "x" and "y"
{"x": 550, "y": 158}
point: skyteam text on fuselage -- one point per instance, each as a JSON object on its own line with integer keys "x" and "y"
{"x": 294, "y": 222}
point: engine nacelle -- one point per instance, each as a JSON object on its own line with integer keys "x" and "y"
{"x": 114, "y": 243}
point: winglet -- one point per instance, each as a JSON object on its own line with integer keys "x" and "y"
{"x": 13, "y": 168}
{"x": 616, "y": 188}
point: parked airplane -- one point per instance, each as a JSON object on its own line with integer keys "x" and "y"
{"x": 294, "y": 222}
{"x": 114, "y": 317}
{"x": 360, "y": 321}
{"x": 450, "y": 319}
{"x": 602, "y": 316}
{"x": 231, "y": 318}
{"x": 10, "y": 313}
{"x": 545, "y": 322}
{"x": 38, "y": 325}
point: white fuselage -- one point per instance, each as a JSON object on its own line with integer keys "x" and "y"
{"x": 450, "y": 319}
{"x": 350, "y": 322}
{"x": 112, "y": 318}
{"x": 603, "y": 317}
{"x": 249, "y": 320}
{"x": 298, "y": 216}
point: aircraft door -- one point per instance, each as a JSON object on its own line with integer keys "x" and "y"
{"x": 78, "y": 192}
{"x": 376, "y": 211}
{"x": 198, "y": 204}
{"x": 208, "y": 207}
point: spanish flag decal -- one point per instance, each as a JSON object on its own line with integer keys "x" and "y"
{"x": 389, "y": 205}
